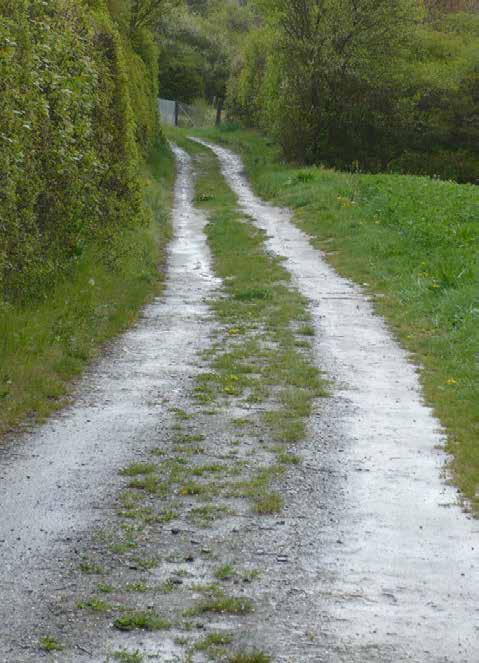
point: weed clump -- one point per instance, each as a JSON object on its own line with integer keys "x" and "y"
{"x": 138, "y": 469}
{"x": 125, "y": 656}
{"x": 142, "y": 620}
{"x": 214, "y": 640}
{"x": 218, "y": 602}
{"x": 252, "y": 657}
{"x": 49, "y": 643}
{"x": 268, "y": 504}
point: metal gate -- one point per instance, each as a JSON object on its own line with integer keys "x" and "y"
{"x": 178, "y": 114}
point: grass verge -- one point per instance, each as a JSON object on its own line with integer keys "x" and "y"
{"x": 43, "y": 346}
{"x": 413, "y": 241}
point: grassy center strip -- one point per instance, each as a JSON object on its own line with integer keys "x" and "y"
{"x": 263, "y": 356}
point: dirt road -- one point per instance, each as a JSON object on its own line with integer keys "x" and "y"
{"x": 372, "y": 560}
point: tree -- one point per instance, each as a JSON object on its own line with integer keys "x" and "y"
{"x": 332, "y": 73}
{"x": 147, "y": 13}
{"x": 198, "y": 44}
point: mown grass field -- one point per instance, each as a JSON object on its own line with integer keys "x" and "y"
{"x": 44, "y": 345}
{"x": 412, "y": 240}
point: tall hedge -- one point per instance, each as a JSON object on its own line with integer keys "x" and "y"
{"x": 77, "y": 106}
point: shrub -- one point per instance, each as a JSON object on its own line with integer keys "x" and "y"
{"x": 70, "y": 142}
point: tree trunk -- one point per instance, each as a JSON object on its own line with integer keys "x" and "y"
{"x": 219, "y": 110}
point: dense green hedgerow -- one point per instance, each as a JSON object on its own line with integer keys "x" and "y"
{"x": 77, "y": 106}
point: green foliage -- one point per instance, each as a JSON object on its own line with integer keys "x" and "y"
{"x": 49, "y": 644}
{"x": 325, "y": 58}
{"x": 368, "y": 84}
{"x": 198, "y": 47}
{"x": 142, "y": 77}
{"x": 147, "y": 620}
{"x": 246, "y": 99}
{"x": 77, "y": 100}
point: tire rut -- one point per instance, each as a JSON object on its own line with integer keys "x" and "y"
{"x": 56, "y": 480}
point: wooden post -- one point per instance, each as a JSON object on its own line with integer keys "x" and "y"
{"x": 219, "y": 110}
{"x": 177, "y": 113}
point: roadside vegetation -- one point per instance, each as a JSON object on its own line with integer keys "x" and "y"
{"x": 412, "y": 242}
{"x": 377, "y": 85}
{"x": 84, "y": 192}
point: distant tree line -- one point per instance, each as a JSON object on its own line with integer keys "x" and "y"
{"x": 373, "y": 84}
{"x": 78, "y": 100}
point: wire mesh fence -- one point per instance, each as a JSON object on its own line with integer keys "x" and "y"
{"x": 167, "y": 111}
{"x": 178, "y": 114}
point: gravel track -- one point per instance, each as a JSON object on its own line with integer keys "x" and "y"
{"x": 372, "y": 559}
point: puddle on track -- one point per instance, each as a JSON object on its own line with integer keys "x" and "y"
{"x": 383, "y": 562}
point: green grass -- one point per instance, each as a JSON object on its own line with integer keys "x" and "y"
{"x": 150, "y": 483}
{"x": 95, "y": 605}
{"x": 268, "y": 504}
{"x": 146, "y": 563}
{"x": 206, "y": 515}
{"x": 218, "y": 602}
{"x": 225, "y": 572}
{"x": 124, "y": 656}
{"x": 91, "y": 568}
{"x": 250, "y": 657}
{"x": 412, "y": 240}
{"x": 213, "y": 640}
{"x": 49, "y": 644}
{"x": 137, "y": 587}
{"x": 286, "y": 458}
{"x": 137, "y": 469}
{"x": 46, "y": 344}
{"x": 147, "y": 620}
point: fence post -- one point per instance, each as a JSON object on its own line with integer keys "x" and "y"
{"x": 219, "y": 110}
{"x": 177, "y": 113}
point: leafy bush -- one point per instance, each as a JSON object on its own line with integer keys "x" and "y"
{"x": 374, "y": 85}
{"x": 70, "y": 140}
